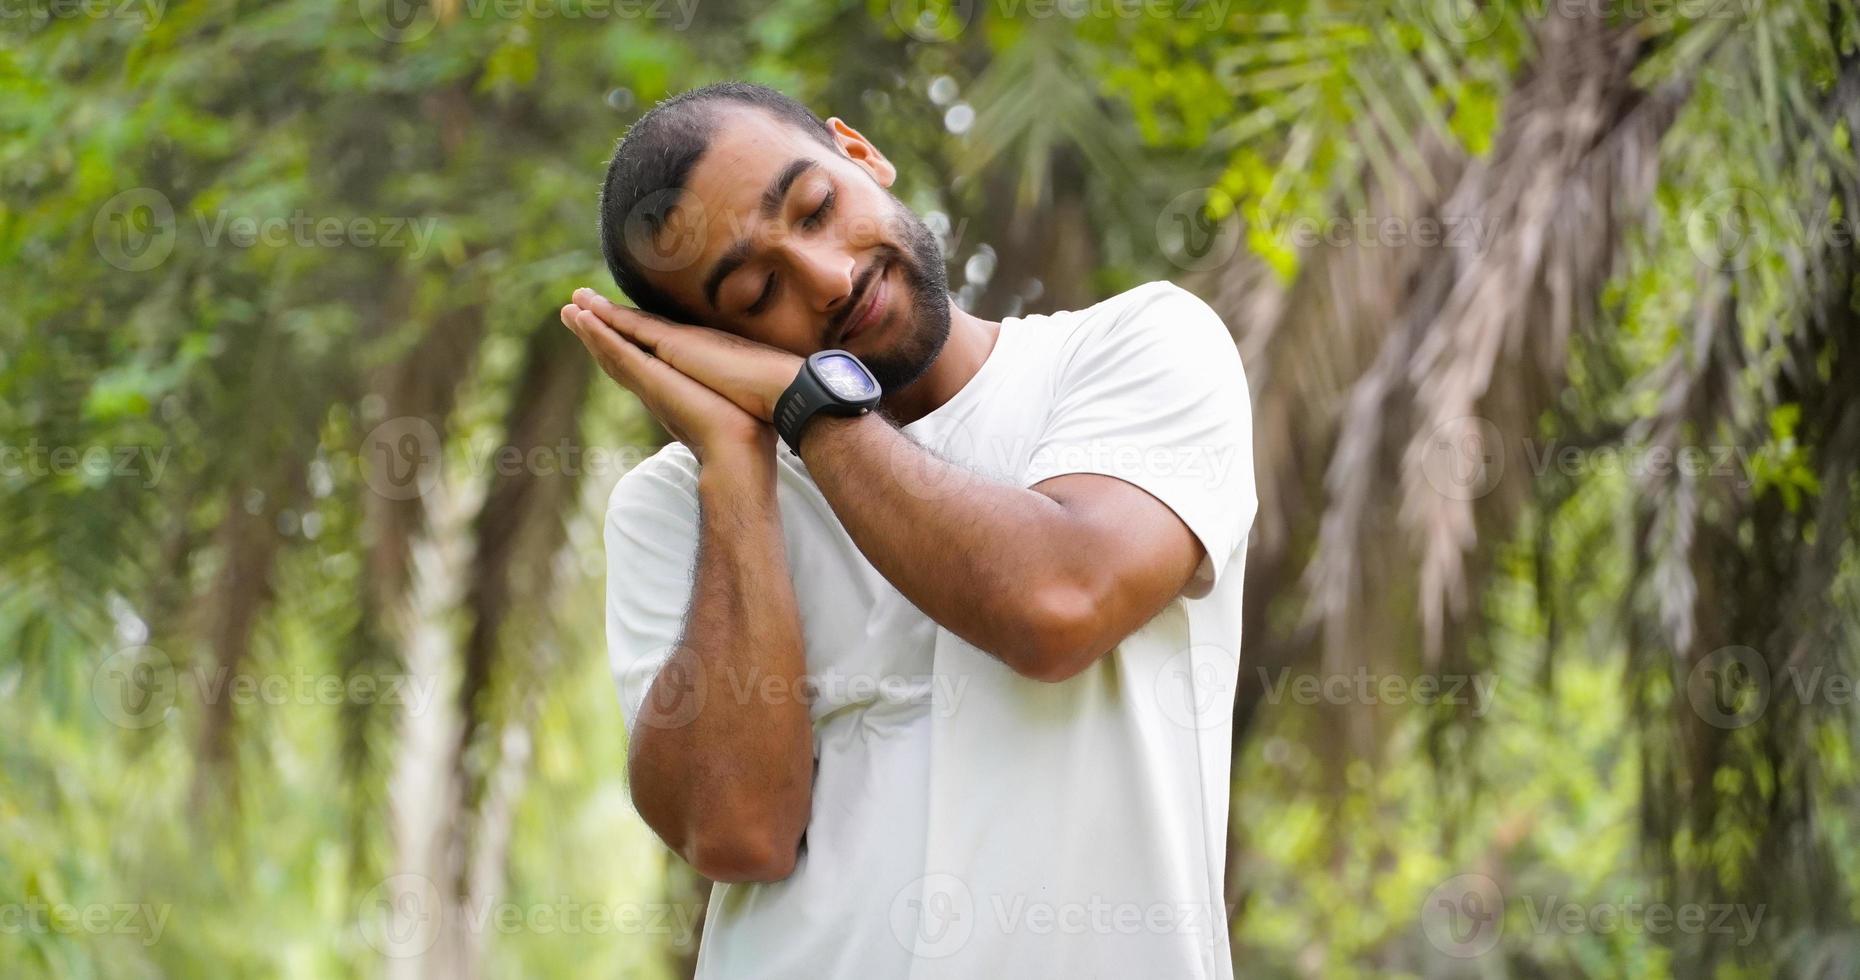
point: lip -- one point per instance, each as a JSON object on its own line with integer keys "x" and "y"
{"x": 873, "y": 309}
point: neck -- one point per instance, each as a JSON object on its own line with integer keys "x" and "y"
{"x": 971, "y": 338}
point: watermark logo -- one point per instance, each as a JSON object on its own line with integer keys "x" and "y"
{"x": 1459, "y": 22}
{"x": 1463, "y": 458}
{"x": 405, "y": 457}
{"x": 400, "y": 916}
{"x": 933, "y": 21}
{"x": 1191, "y": 238}
{"x": 148, "y": 12}
{"x": 406, "y": 21}
{"x": 1364, "y": 230}
{"x": 933, "y": 474}
{"x": 1727, "y": 229}
{"x": 676, "y": 695}
{"x": 40, "y": 918}
{"x": 1729, "y": 687}
{"x": 1360, "y": 687}
{"x": 138, "y": 687}
{"x": 933, "y": 916}
{"x": 665, "y": 231}
{"x": 1464, "y": 916}
{"x": 93, "y": 464}
{"x": 1733, "y": 686}
{"x": 134, "y": 231}
{"x": 400, "y": 458}
{"x": 134, "y": 687}
{"x": 399, "y": 21}
{"x": 404, "y": 915}
{"x": 1195, "y": 687}
{"x": 1731, "y": 228}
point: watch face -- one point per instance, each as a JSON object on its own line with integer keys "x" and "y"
{"x": 845, "y": 377}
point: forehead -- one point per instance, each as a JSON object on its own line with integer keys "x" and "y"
{"x": 722, "y": 197}
{"x": 748, "y": 148}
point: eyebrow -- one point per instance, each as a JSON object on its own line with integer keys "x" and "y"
{"x": 772, "y": 196}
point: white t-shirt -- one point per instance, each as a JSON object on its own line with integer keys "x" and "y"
{"x": 968, "y": 822}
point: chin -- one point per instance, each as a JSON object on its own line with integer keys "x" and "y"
{"x": 920, "y": 338}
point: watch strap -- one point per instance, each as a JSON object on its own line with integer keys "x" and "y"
{"x": 805, "y": 397}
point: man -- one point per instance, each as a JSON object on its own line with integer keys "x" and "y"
{"x": 942, "y": 690}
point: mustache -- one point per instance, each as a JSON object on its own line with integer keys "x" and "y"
{"x": 836, "y": 326}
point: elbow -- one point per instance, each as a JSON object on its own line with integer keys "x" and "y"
{"x": 727, "y": 835}
{"x": 740, "y": 854}
{"x": 1062, "y": 635}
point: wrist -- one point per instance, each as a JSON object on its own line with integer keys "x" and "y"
{"x": 824, "y": 428}
{"x": 830, "y": 383}
{"x": 738, "y": 469}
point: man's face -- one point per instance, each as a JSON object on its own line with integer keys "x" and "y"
{"x": 782, "y": 240}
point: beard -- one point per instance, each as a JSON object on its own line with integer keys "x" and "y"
{"x": 920, "y": 261}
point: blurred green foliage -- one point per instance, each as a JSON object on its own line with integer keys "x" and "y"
{"x": 250, "y": 534}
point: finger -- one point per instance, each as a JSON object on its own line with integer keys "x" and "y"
{"x": 604, "y": 346}
{"x": 641, "y": 328}
{"x": 619, "y": 356}
{"x": 645, "y": 375}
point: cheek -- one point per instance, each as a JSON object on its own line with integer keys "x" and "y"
{"x": 868, "y": 223}
{"x": 790, "y": 326}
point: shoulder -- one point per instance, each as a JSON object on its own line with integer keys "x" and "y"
{"x": 664, "y": 482}
{"x": 1165, "y": 310}
{"x": 1158, "y": 323}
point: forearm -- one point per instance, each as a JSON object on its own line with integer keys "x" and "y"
{"x": 721, "y": 762}
{"x": 1003, "y": 567}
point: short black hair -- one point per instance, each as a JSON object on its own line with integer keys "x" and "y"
{"x": 657, "y": 155}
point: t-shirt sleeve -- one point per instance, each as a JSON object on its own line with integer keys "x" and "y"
{"x": 1156, "y": 396}
{"x": 652, "y": 537}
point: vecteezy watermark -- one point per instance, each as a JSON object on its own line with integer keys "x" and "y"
{"x": 403, "y": 915}
{"x": 945, "y": 20}
{"x": 677, "y": 694}
{"x": 35, "y": 917}
{"x": 1194, "y": 230}
{"x": 146, "y": 12}
{"x": 1465, "y": 458}
{"x": 1465, "y": 916}
{"x": 936, "y": 915}
{"x": 406, "y": 21}
{"x": 1467, "y": 21}
{"x": 1364, "y": 230}
{"x": 137, "y": 687}
{"x": 1195, "y": 687}
{"x": 1733, "y": 686}
{"x": 404, "y": 457}
{"x": 136, "y": 230}
{"x": 1732, "y": 227}
{"x": 1361, "y": 687}
{"x": 1722, "y": 462}
{"x": 94, "y": 463}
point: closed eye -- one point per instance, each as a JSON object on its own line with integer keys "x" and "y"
{"x": 821, "y": 212}
{"x": 810, "y": 222}
{"x": 762, "y": 301}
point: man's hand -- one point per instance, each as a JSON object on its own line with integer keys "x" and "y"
{"x": 705, "y": 421}
{"x": 751, "y": 375}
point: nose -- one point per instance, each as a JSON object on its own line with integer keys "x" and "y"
{"x": 825, "y": 274}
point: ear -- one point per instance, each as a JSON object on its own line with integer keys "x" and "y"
{"x": 860, "y": 150}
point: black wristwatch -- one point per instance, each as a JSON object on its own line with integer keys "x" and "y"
{"x": 831, "y": 381}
